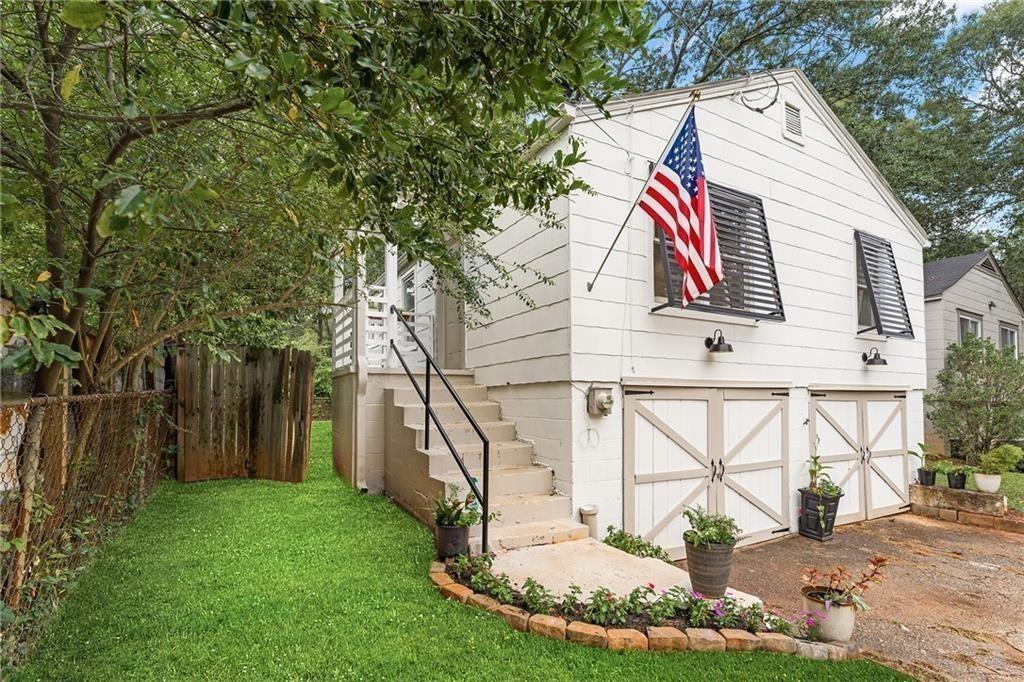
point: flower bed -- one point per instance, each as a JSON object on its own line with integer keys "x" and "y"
{"x": 675, "y": 620}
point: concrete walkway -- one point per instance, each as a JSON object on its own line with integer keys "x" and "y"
{"x": 592, "y": 564}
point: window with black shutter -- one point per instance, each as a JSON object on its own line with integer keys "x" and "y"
{"x": 881, "y": 303}
{"x": 751, "y": 286}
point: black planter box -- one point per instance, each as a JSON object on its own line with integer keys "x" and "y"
{"x": 926, "y": 476}
{"x": 956, "y": 481}
{"x": 810, "y": 519}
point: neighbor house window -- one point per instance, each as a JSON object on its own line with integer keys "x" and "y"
{"x": 881, "y": 305}
{"x": 750, "y": 287}
{"x": 969, "y": 326}
{"x": 1008, "y": 338}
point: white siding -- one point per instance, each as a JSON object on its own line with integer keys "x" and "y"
{"x": 525, "y": 342}
{"x": 815, "y": 196}
{"x": 542, "y": 416}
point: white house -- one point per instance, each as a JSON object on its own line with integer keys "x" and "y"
{"x": 966, "y": 295}
{"x": 823, "y": 264}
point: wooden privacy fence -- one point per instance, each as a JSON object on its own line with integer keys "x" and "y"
{"x": 245, "y": 418}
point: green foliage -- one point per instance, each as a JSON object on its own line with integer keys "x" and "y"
{"x": 1002, "y": 459}
{"x": 537, "y": 598}
{"x": 979, "y": 399}
{"x": 497, "y": 586}
{"x": 219, "y": 163}
{"x": 571, "y": 601}
{"x": 665, "y": 607}
{"x": 634, "y": 544}
{"x": 821, "y": 483}
{"x": 947, "y": 466}
{"x": 465, "y": 565}
{"x": 605, "y": 608}
{"x": 455, "y": 509}
{"x": 710, "y": 529}
{"x": 924, "y": 456}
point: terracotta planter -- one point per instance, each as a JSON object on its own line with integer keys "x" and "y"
{"x": 839, "y": 619}
{"x": 451, "y": 541}
{"x": 709, "y": 568}
{"x": 988, "y": 483}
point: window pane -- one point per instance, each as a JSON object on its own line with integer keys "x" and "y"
{"x": 969, "y": 327}
{"x": 1008, "y": 339}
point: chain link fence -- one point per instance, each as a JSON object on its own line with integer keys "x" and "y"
{"x": 72, "y": 469}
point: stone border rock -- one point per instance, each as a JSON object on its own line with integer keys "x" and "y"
{"x": 662, "y": 638}
{"x": 971, "y": 507}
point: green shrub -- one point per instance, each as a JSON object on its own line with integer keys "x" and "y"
{"x": 497, "y": 586}
{"x": 604, "y": 608}
{"x": 634, "y": 544}
{"x": 710, "y": 529}
{"x": 1002, "y": 459}
{"x": 537, "y": 598}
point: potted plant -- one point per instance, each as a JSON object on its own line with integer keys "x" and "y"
{"x": 709, "y": 545}
{"x": 819, "y": 502}
{"x": 956, "y": 474}
{"x": 1004, "y": 458}
{"x": 453, "y": 515}
{"x": 839, "y": 596}
{"x": 925, "y": 472}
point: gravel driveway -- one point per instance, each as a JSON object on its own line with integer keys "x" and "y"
{"x": 952, "y": 606}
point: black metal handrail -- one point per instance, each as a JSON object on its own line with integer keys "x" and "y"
{"x": 429, "y": 415}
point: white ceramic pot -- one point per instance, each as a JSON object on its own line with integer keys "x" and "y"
{"x": 988, "y": 483}
{"x": 839, "y": 620}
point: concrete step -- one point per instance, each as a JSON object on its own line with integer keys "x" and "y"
{"x": 534, "y": 479}
{"x": 504, "y": 538}
{"x": 461, "y": 434}
{"x": 451, "y": 413}
{"x": 439, "y": 394}
{"x": 529, "y": 508}
{"x": 504, "y": 454}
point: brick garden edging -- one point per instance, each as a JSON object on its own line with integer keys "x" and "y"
{"x": 971, "y": 507}
{"x": 620, "y": 639}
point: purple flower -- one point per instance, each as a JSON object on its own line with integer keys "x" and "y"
{"x": 695, "y": 594}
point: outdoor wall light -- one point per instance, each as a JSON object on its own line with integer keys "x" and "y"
{"x": 716, "y": 343}
{"x": 873, "y": 357}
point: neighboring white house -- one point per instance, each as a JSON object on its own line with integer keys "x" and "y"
{"x": 823, "y": 264}
{"x": 966, "y": 295}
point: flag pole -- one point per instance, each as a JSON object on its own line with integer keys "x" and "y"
{"x": 694, "y": 96}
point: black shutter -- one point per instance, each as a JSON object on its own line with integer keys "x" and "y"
{"x": 750, "y": 287}
{"x": 876, "y": 261}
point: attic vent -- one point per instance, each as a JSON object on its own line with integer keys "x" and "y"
{"x": 792, "y": 125}
{"x": 987, "y": 264}
{"x": 876, "y": 264}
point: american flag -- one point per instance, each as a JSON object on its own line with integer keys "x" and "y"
{"x": 676, "y": 197}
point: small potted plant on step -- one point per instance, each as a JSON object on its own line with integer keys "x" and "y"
{"x": 454, "y": 514}
{"x": 925, "y": 472}
{"x": 839, "y": 596}
{"x": 709, "y": 545}
{"x": 956, "y": 474}
{"x": 819, "y": 502}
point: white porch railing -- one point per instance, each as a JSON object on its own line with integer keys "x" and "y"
{"x": 364, "y": 324}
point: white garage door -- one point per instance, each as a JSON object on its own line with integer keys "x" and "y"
{"x": 723, "y": 449}
{"x": 863, "y": 437}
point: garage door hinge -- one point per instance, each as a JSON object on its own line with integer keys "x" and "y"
{"x": 780, "y": 393}
{"x": 639, "y": 392}
{"x": 900, "y": 395}
{"x": 818, "y": 395}
{"x": 906, "y": 506}
{"x": 785, "y": 529}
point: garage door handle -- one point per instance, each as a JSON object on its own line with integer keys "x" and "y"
{"x": 867, "y": 450}
{"x": 721, "y": 470}
{"x": 714, "y": 471}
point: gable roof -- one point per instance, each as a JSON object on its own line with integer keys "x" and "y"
{"x": 796, "y": 77}
{"x": 940, "y": 275}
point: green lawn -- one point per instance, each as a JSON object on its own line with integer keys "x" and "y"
{"x": 261, "y": 580}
